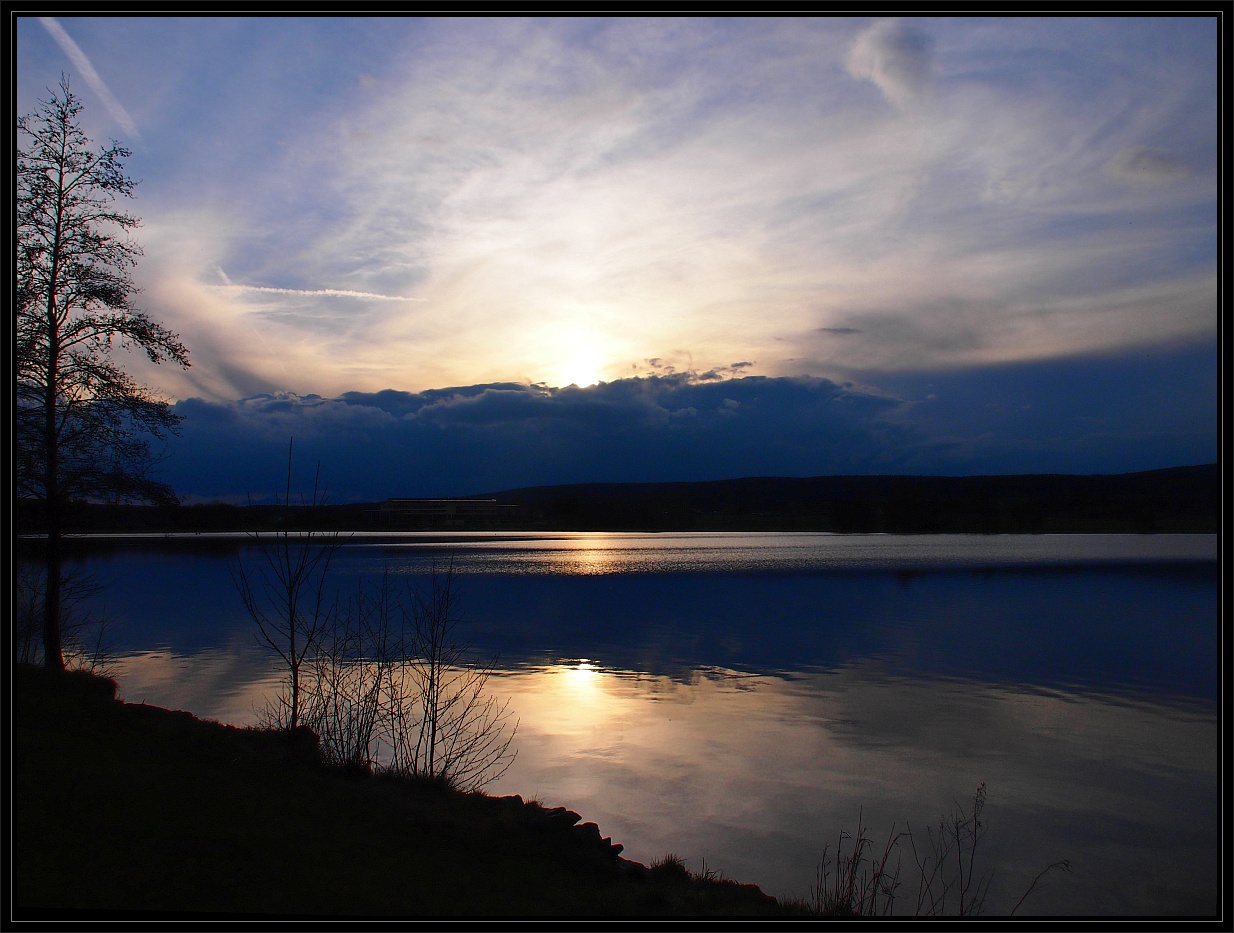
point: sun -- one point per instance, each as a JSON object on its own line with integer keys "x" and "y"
{"x": 581, "y": 368}
{"x": 581, "y": 376}
{"x": 572, "y": 350}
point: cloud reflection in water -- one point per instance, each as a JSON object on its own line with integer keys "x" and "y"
{"x": 756, "y": 773}
{"x": 747, "y": 716}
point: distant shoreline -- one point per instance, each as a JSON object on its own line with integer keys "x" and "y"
{"x": 1179, "y": 500}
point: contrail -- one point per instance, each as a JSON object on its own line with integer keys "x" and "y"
{"x": 329, "y": 292}
{"x": 78, "y": 58}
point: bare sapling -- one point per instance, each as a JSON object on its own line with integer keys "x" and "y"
{"x": 453, "y": 730}
{"x": 349, "y": 690}
{"x": 949, "y": 881}
{"x": 284, "y": 592}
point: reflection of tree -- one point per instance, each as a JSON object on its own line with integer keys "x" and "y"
{"x": 83, "y": 631}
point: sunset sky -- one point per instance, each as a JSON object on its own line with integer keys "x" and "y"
{"x": 754, "y": 246}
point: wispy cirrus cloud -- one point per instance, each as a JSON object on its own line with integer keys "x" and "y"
{"x": 229, "y": 285}
{"x": 320, "y": 292}
{"x": 91, "y": 76}
{"x": 897, "y": 58}
{"x": 1140, "y": 165}
{"x": 568, "y": 198}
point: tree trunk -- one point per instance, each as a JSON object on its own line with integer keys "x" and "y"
{"x": 53, "y": 650}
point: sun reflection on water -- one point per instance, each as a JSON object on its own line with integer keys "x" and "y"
{"x": 583, "y": 678}
{"x": 591, "y": 555}
{"x": 751, "y": 770}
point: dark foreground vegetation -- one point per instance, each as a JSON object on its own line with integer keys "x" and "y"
{"x": 124, "y": 810}
{"x": 1181, "y": 499}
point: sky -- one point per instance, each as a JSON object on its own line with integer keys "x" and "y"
{"x": 457, "y": 256}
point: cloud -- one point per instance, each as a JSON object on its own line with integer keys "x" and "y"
{"x": 471, "y": 439}
{"x": 998, "y": 306}
{"x": 82, "y": 63}
{"x": 730, "y": 371}
{"x": 569, "y": 198}
{"x": 323, "y": 292}
{"x": 1085, "y": 415}
{"x": 898, "y": 59}
{"x": 1140, "y": 165}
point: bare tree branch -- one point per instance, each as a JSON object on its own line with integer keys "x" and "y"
{"x": 82, "y": 426}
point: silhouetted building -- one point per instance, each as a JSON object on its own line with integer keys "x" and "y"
{"x": 443, "y": 513}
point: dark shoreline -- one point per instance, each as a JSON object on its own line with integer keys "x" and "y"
{"x": 1179, "y": 500}
{"x": 128, "y": 811}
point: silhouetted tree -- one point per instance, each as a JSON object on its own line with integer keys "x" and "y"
{"x": 397, "y": 690}
{"x": 453, "y": 730}
{"x": 284, "y": 592}
{"x": 83, "y": 628}
{"x": 82, "y": 425}
{"x": 353, "y": 685}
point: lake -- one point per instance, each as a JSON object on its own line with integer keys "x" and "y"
{"x": 742, "y": 698}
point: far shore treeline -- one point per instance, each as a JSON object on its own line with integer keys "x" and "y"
{"x": 1180, "y": 499}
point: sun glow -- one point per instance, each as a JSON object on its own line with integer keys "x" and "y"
{"x": 583, "y": 680}
{"x": 574, "y": 355}
{"x": 583, "y": 370}
{"x": 573, "y": 698}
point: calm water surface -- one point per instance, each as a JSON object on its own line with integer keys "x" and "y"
{"x": 742, "y": 698}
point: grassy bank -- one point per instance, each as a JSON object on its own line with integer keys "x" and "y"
{"x": 131, "y": 808}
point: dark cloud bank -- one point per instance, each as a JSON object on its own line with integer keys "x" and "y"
{"x": 1118, "y": 414}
